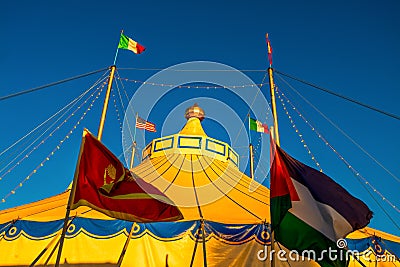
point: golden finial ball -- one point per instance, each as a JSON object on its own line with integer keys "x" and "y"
{"x": 194, "y": 112}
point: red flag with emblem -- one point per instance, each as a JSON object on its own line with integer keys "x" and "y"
{"x": 104, "y": 184}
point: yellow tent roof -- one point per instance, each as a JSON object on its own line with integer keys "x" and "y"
{"x": 200, "y": 174}
{"x": 48, "y": 209}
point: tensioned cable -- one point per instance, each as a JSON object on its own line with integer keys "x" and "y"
{"x": 339, "y": 95}
{"x": 192, "y": 86}
{"x": 55, "y": 114}
{"x": 45, "y": 139}
{"x": 116, "y": 108}
{"x": 72, "y": 103}
{"x": 100, "y": 89}
{"x": 359, "y": 177}
{"x": 133, "y": 112}
{"x": 51, "y": 84}
{"x": 340, "y": 130}
{"x": 122, "y": 102}
{"x": 251, "y": 105}
{"x": 193, "y": 70}
{"x": 294, "y": 127}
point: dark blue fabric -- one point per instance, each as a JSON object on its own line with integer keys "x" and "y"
{"x": 233, "y": 233}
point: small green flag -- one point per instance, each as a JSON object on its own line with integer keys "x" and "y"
{"x": 127, "y": 43}
{"x": 257, "y": 126}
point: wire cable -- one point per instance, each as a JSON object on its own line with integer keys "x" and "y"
{"x": 193, "y": 70}
{"x": 51, "y": 84}
{"x": 340, "y": 130}
{"x": 52, "y": 116}
{"x": 339, "y": 95}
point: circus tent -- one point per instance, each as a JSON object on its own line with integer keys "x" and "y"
{"x": 226, "y": 217}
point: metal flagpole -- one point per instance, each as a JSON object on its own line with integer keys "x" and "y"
{"x": 203, "y": 235}
{"x": 105, "y": 105}
{"x": 134, "y": 133}
{"x": 116, "y": 52}
{"x": 133, "y": 155}
{"x": 251, "y": 161}
{"x": 70, "y": 200}
{"x": 128, "y": 239}
{"x": 251, "y": 151}
{"x": 99, "y": 135}
{"x": 275, "y": 128}
{"x": 122, "y": 255}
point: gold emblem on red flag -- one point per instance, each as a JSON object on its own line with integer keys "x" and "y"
{"x": 110, "y": 173}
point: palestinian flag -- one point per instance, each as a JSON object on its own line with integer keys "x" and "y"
{"x": 258, "y": 126}
{"x": 309, "y": 211}
{"x": 127, "y": 43}
{"x": 104, "y": 184}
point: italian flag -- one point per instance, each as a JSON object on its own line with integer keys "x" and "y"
{"x": 309, "y": 211}
{"x": 127, "y": 43}
{"x": 257, "y": 126}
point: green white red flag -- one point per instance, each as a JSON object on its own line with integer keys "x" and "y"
{"x": 258, "y": 126}
{"x": 127, "y": 43}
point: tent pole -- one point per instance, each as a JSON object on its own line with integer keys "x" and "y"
{"x": 128, "y": 239}
{"x": 251, "y": 161}
{"x": 276, "y": 131}
{"x": 70, "y": 200}
{"x": 194, "y": 249}
{"x": 46, "y": 248}
{"x": 133, "y": 155}
{"x": 105, "y": 105}
{"x": 273, "y": 104}
{"x": 49, "y": 245}
{"x": 203, "y": 235}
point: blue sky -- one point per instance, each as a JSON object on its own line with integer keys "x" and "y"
{"x": 350, "y": 47}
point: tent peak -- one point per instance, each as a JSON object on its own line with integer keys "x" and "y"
{"x": 194, "y": 112}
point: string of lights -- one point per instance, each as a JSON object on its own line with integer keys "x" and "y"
{"x": 12, "y": 192}
{"x": 118, "y": 78}
{"x": 116, "y": 109}
{"x": 192, "y": 86}
{"x": 70, "y": 104}
{"x": 48, "y": 136}
{"x": 357, "y": 174}
{"x": 297, "y": 131}
{"x": 340, "y": 130}
{"x": 25, "y": 146}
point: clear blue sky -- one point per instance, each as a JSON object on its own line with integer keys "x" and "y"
{"x": 350, "y": 47}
